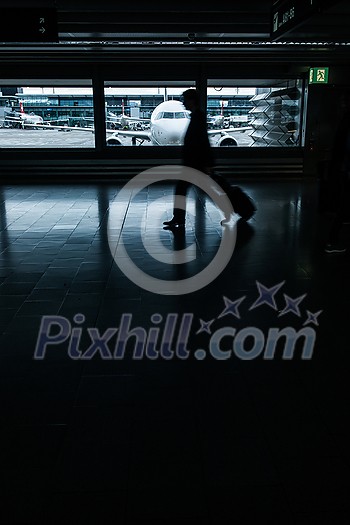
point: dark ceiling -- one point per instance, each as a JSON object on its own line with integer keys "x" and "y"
{"x": 180, "y": 22}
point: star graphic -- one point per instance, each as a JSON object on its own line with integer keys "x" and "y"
{"x": 292, "y": 305}
{"x": 312, "y": 318}
{"x": 205, "y": 326}
{"x": 266, "y": 295}
{"x": 231, "y": 307}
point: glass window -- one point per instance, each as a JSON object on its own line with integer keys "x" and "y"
{"x": 35, "y": 116}
{"x": 182, "y": 114}
{"x": 268, "y": 116}
{"x": 145, "y": 113}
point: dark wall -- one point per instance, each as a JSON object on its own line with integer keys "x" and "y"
{"x": 324, "y": 109}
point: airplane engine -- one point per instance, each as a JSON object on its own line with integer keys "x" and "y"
{"x": 227, "y": 140}
{"x": 114, "y": 141}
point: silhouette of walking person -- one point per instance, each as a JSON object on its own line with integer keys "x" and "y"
{"x": 197, "y": 153}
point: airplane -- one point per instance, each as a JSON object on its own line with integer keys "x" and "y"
{"x": 168, "y": 125}
{"x": 19, "y": 119}
{"x": 123, "y": 121}
{"x": 215, "y": 121}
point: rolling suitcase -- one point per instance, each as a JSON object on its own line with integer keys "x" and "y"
{"x": 241, "y": 202}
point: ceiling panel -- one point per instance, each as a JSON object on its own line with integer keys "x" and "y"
{"x": 182, "y": 22}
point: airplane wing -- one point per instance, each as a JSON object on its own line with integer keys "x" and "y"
{"x": 137, "y": 119}
{"x": 48, "y": 126}
{"x": 224, "y": 131}
{"x": 126, "y": 117}
{"x": 143, "y": 135}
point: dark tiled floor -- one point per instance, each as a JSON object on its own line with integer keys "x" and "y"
{"x": 180, "y": 440}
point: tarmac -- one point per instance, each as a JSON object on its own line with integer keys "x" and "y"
{"x": 53, "y": 138}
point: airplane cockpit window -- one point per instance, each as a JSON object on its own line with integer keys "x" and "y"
{"x": 168, "y": 114}
{"x": 159, "y": 116}
{"x": 181, "y": 114}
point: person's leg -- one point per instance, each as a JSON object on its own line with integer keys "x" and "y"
{"x": 179, "y": 214}
{"x": 180, "y": 201}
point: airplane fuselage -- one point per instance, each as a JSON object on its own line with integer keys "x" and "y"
{"x": 22, "y": 118}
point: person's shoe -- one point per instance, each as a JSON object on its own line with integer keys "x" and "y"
{"x": 334, "y": 248}
{"x": 173, "y": 223}
{"x": 174, "y": 226}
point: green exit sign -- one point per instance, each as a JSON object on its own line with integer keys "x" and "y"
{"x": 318, "y": 75}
